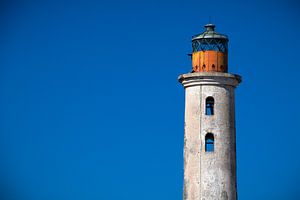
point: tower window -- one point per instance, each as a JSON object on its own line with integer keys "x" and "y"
{"x": 209, "y": 106}
{"x": 209, "y": 142}
{"x": 213, "y": 66}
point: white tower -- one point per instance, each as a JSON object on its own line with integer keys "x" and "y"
{"x": 209, "y": 131}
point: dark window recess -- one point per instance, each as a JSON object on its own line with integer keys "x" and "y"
{"x": 209, "y": 106}
{"x": 213, "y": 66}
{"x": 209, "y": 142}
{"x": 203, "y": 66}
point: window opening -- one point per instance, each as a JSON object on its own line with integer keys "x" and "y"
{"x": 209, "y": 142}
{"x": 209, "y": 106}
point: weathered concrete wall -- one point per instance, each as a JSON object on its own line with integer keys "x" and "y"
{"x": 209, "y": 175}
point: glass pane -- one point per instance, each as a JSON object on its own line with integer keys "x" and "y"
{"x": 209, "y": 146}
{"x": 209, "y": 109}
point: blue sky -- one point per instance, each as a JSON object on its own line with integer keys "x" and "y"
{"x": 90, "y": 106}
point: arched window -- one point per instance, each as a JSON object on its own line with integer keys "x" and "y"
{"x": 209, "y": 142}
{"x": 213, "y": 66}
{"x": 209, "y": 106}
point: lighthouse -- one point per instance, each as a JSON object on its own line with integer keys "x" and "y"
{"x": 209, "y": 122}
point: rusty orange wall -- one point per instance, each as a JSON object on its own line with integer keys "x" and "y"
{"x": 203, "y": 61}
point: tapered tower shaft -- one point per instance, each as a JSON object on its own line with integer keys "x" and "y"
{"x": 209, "y": 136}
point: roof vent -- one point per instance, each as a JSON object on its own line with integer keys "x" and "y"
{"x": 210, "y": 27}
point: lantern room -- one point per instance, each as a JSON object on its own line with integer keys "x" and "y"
{"x": 210, "y": 51}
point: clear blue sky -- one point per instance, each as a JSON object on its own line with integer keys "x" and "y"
{"x": 90, "y": 106}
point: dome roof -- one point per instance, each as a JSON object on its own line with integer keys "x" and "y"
{"x": 210, "y": 33}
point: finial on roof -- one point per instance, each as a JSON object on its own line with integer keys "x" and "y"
{"x": 210, "y": 27}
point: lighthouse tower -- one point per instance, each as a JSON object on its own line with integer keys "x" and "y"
{"x": 209, "y": 130}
